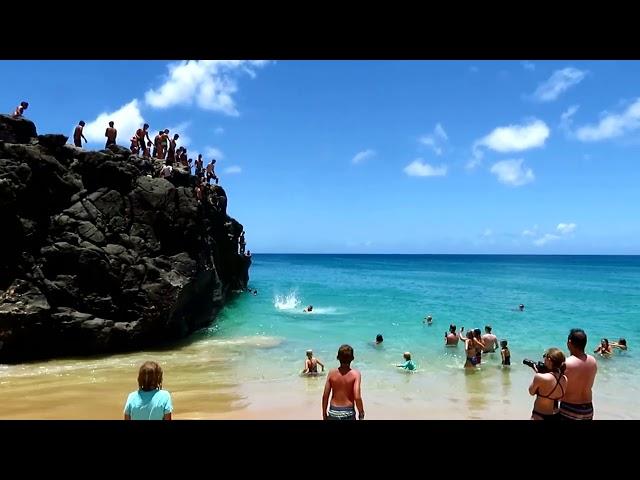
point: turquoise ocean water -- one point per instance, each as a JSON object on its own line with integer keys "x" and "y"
{"x": 356, "y": 297}
{"x": 248, "y": 363}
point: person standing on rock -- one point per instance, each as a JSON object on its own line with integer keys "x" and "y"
{"x": 171, "y": 154}
{"x": 20, "y": 109}
{"x": 156, "y": 144}
{"x": 150, "y": 401}
{"x": 111, "y": 134}
{"x": 243, "y": 243}
{"x": 78, "y": 136}
{"x": 199, "y": 166}
{"x": 141, "y": 133}
{"x": 211, "y": 174}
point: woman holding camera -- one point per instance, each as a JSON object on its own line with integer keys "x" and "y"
{"x": 549, "y": 387}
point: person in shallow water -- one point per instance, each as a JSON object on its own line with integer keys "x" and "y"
{"x": 379, "y": 339}
{"x": 311, "y": 364}
{"x": 408, "y": 363}
{"x": 308, "y": 309}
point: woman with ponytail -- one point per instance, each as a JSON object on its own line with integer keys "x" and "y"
{"x": 549, "y": 387}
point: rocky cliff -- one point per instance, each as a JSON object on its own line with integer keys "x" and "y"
{"x": 97, "y": 257}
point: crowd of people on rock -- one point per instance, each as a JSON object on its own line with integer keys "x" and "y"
{"x": 164, "y": 147}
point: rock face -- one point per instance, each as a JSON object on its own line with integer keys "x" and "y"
{"x": 98, "y": 257}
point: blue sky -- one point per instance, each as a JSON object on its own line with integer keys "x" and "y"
{"x": 476, "y": 156}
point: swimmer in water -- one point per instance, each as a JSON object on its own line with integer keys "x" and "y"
{"x": 311, "y": 364}
{"x": 428, "y": 320}
{"x": 308, "y": 309}
{"x": 408, "y": 363}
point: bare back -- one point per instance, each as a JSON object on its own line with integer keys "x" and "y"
{"x": 490, "y": 342}
{"x": 452, "y": 339}
{"x": 581, "y": 373}
{"x": 344, "y": 382}
{"x": 111, "y": 134}
{"x": 549, "y": 388}
{"x": 311, "y": 365}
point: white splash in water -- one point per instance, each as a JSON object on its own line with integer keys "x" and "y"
{"x": 286, "y": 302}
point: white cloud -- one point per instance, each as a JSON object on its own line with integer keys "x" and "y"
{"x": 418, "y": 168}
{"x": 209, "y": 83}
{"x": 233, "y": 169}
{"x": 516, "y": 138}
{"x": 435, "y": 140}
{"x": 362, "y": 156}
{"x": 566, "y": 228}
{"x": 563, "y": 230}
{"x": 530, "y": 232}
{"x": 512, "y": 138}
{"x": 548, "y": 237}
{"x": 439, "y": 131}
{"x": 510, "y": 172}
{"x": 213, "y": 152}
{"x": 566, "y": 119}
{"x": 487, "y": 232}
{"x": 219, "y": 131}
{"x": 127, "y": 119}
{"x": 612, "y": 125}
{"x": 559, "y": 82}
{"x": 528, "y": 66}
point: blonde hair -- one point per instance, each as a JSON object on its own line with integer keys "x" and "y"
{"x": 150, "y": 376}
{"x": 557, "y": 359}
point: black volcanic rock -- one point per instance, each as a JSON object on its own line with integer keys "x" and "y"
{"x": 98, "y": 257}
{"x": 16, "y": 130}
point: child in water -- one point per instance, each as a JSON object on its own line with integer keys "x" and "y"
{"x": 506, "y": 354}
{"x": 408, "y": 364}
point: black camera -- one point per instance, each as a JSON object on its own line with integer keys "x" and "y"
{"x": 542, "y": 368}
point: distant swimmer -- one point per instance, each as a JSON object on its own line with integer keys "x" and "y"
{"x": 451, "y": 339}
{"x": 408, "y": 363}
{"x": 604, "y": 349}
{"x": 428, "y": 320}
{"x": 311, "y": 364}
{"x": 521, "y": 307}
{"x": 379, "y": 339}
{"x": 621, "y": 344}
{"x": 308, "y": 309}
{"x": 255, "y": 292}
